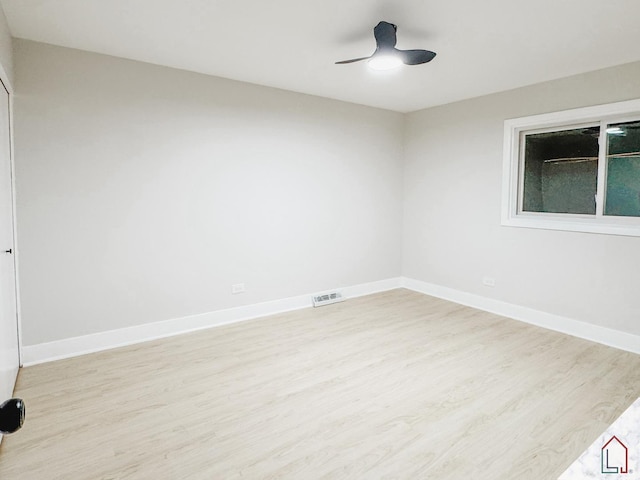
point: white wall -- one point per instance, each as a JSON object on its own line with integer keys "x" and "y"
{"x": 6, "y": 54}
{"x": 452, "y": 235}
{"x": 144, "y": 193}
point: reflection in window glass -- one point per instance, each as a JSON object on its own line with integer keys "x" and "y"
{"x": 561, "y": 171}
{"x": 623, "y": 170}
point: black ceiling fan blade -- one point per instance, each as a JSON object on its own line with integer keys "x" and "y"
{"x": 415, "y": 57}
{"x": 385, "y": 34}
{"x": 352, "y": 60}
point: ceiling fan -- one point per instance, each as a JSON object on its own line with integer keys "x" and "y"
{"x": 387, "y": 56}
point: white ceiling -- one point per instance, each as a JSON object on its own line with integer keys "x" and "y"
{"x": 483, "y": 46}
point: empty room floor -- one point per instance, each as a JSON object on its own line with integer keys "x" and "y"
{"x": 396, "y": 385}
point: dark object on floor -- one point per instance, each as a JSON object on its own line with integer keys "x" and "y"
{"x": 12, "y": 414}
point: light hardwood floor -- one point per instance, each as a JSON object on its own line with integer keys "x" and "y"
{"x": 396, "y": 385}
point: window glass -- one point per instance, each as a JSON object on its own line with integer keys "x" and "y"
{"x": 561, "y": 171}
{"x": 623, "y": 170}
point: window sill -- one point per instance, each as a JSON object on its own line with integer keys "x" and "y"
{"x": 576, "y": 223}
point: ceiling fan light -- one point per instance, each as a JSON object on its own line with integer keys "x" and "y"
{"x": 384, "y": 62}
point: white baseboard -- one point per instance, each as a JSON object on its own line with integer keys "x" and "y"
{"x": 606, "y": 336}
{"x": 73, "y": 347}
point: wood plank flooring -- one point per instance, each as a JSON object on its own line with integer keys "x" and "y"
{"x": 396, "y": 385}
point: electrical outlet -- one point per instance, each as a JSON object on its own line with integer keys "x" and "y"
{"x": 489, "y": 281}
{"x": 237, "y": 288}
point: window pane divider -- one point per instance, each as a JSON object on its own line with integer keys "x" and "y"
{"x": 602, "y": 169}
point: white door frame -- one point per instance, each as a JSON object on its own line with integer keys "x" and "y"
{"x": 8, "y": 87}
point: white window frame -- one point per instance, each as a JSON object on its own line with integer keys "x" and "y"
{"x": 513, "y": 168}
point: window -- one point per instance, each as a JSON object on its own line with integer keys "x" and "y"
{"x": 576, "y": 170}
